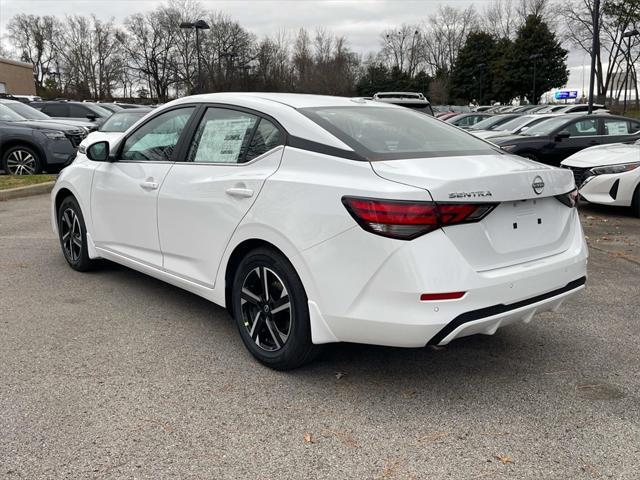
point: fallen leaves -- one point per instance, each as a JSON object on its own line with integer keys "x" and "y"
{"x": 339, "y": 375}
{"x": 504, "y": 459}
{"x": 308, "y": 438}
{"x": 433, "y": 437}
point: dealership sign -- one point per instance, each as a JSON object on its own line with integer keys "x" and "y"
{"x": 564, "y": 94}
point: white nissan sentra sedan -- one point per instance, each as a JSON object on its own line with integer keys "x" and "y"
{"x": 318, "y": 219}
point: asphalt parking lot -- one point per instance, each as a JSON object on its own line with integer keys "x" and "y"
{"x": 112, "y": 374}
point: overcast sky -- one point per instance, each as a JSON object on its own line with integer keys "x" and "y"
{"x": 361, "y": 21}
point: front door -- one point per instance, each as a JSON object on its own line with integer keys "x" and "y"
{"x": 125, "y": 192}
{"x": 204, "y": 198}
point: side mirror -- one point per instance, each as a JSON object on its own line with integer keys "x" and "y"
{"x": 98, "y": 152}
{"x": 92, "y": 116}
{"x": 562, "y": 134}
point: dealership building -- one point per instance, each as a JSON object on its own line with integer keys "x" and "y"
{"x": 16, "y": 78}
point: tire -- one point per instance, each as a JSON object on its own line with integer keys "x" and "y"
{"x": 635, "y": 203}
{"x": 73, "y": 235}
{"x": 21, "y": 160}
{"x": 274, "y": 327}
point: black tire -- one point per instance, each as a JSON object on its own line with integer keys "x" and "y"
{"x": 21, "y": 160}
{"x": 71, "y": 232}
{"x": 635, "y": 203}
{"x": 279, "y": 339}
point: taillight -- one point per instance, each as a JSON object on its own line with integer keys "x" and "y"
{"x": 569, "y": 199}
{"x": 405, "y": 220}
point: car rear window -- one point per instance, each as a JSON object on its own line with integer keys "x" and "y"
{"x": 379, "y": 133}
{"x": 121, "y": 121}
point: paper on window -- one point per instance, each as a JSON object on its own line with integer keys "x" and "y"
{"x": 222, "y": 139}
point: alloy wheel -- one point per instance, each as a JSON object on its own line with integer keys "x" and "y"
{"x": 71, "y": 234}
{"x": 266, "y": 309}
{"x": 21, "y": 162}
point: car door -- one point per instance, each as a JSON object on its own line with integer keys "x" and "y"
{"x": 583, "y": 133}
{"x": 205, "y": 196}
{"x": 125, "y": 191}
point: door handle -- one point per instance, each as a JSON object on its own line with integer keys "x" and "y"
{"x": 148, "y": 185}
{"x": 239, "y": 192}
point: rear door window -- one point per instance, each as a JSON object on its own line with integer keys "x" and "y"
{"x": 614, "y": 126}
{"x": 56, "y": 109}
{"x": 222, "y": 137}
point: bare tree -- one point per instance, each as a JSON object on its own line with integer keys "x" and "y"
{"x": 32, "y": 36}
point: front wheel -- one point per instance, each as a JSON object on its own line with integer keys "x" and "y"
{"x": 21, "y": 160}
{"x": 73, "y": 235}
{"x": 271, "y": 311}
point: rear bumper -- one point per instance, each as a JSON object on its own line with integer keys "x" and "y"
{"x": 488, "y": 320}
{"x": 374, "y": 298}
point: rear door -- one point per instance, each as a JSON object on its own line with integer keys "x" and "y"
{"x": 207, "y": 193}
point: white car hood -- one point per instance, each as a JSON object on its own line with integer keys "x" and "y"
{"x": 94, "y": 137}
{"x": 612, "y": 154}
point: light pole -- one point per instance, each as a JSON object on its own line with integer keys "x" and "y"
{"x": 595, "y": 46}
{"x": 197, "y": 26}
{"x": 480, "y": 69}
{"x": 534, "y": 57}
{"x": 628, "y": 35}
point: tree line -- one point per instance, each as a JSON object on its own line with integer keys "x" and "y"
{"x": 453, "y": 55}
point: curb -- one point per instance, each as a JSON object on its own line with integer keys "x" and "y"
{"x": 27, "y": 191}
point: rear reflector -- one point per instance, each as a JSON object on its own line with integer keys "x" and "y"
{"x": 405, "y": 220}
{"x": 426, "y": 297}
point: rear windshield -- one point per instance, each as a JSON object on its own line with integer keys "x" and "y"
{"x": 121, "y": 121}
{"x": 379, "y": 133}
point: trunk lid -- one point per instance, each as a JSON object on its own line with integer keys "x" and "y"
{"x": 528, "y": 223}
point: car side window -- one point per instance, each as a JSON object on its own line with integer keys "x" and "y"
{"x": 78, "y": 111}
{"x": 156, "y": 140}
{"x": 222, "y": 136}
{"x": 266, "y": 137}
{"x": 583, "y": 128}
{"x": 614, "y": 126}
{"x": 56, "y": 109}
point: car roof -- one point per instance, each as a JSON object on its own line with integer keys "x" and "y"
{"x": 293, "y": 100}
{"x": 284, "y": 108}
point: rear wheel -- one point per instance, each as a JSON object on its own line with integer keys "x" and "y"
{"x": 271, "y": 312}
{"x": 73, "y": 235}
{"x": 635, "y": 203}
{"x": 21, "y": 160}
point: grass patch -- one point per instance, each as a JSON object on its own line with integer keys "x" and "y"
{"x": 13, "y": 181}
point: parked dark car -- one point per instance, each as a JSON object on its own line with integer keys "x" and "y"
{"x": 74, "y": 110}
{"x": 493, "y": 121}
{"x": 28, "y": 147}
{"x": 555, "y": 139}
{"x": 466, "y": 120}
{"x": 30, "y": 113}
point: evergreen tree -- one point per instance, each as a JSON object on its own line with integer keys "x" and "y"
{"x": 536, "y": 52}
{"x": 473, "y": 73}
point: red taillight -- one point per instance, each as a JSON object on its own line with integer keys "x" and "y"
{"x": 406, "y": 220}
